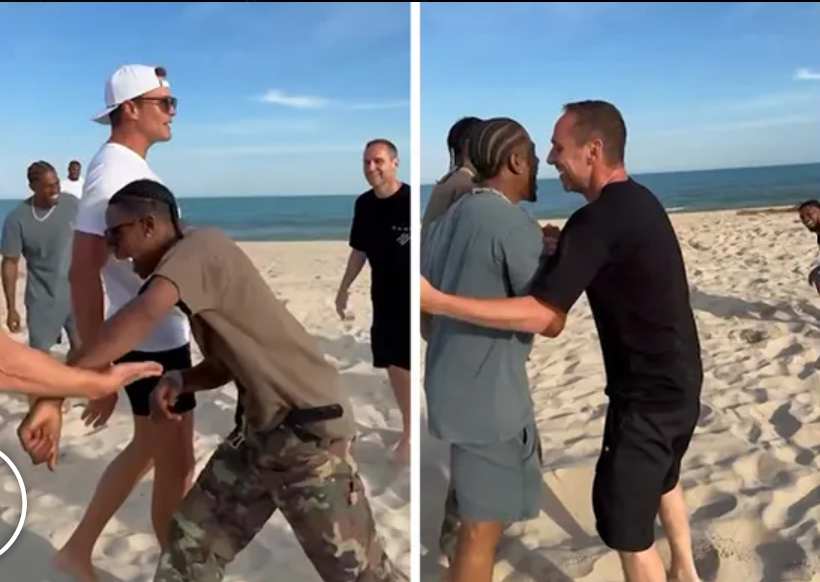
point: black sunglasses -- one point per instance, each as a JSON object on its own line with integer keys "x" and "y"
{"x": 167, "y": 103}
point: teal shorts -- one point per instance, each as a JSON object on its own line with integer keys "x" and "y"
{"x": 498, "y": 481}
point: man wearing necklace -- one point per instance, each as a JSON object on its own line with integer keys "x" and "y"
{"x": 620, "y": 249}
{"x": 40, "y": 230}
{"x": 485, "y": 245}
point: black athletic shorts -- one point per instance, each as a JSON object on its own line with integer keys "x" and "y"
{"x": 139, "y": 392}
{"x": 640, "y": 461}
{"x": 390, "y": 340}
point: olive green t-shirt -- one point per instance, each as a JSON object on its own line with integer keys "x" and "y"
{"x": 238, "y": 321}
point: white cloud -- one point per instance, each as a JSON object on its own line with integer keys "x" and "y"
{"x": 807, "y": 75}
{"x": 279, "y": 97}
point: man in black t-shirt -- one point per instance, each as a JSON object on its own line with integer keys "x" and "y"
{"x": 620, "y": 249}
{"x": 380, "y": 236}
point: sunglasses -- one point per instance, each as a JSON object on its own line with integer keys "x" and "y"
{"x": 167, "y": 103}
{"x": 112, "y": 234}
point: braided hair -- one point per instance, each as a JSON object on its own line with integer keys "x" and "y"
{"x": 37, "y": 170}
{"x": 144, "y": 197}
{"x": 491, "y": 144}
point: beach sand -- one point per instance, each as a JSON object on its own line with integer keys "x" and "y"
{"x": 751, "y": 474}
{"x": 305, "y": 275}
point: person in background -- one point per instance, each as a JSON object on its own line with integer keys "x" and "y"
{"x": 459, "y": 179}
{"x": 809, "y": 212}
{"x": 40, "y": 230}
{"x": 380, "y": 236}
{"x": 74, "y": 183}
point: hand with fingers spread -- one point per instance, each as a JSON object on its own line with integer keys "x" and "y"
{"x": 39, "y": 433}
{"x": 97, "y": 412}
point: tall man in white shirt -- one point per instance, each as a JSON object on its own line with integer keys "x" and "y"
{"x": 139, "y": 109}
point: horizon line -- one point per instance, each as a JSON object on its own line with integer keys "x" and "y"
{"x": 425, "y": 183}
{"x": 690, "y": 171}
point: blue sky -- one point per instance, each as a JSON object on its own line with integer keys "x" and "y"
{"x": 708, "y": 85}
{"x": 274, "y": 98}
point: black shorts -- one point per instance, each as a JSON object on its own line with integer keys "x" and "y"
{"x": 390, "y": 341}
{"x": 640, "y": 461}
{"x": 139, "y": 392}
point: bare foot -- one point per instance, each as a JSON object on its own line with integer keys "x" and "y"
{"x": 79, "y": 569}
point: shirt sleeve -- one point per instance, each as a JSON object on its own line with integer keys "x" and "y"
{"x": 358, "y": 230}
{"x": 522, "y": 252}
{"x": 191, "y": 268}
{"x": 91, "y": 211}
{"x": 582, "y": 250}
{"x": 12, "y": 243}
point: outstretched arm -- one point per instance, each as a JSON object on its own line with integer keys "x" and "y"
{"x": 29, "y": 371}
{"x": 525, "y": 314}
{"x": 122, "y": 332}
{"x": 581, "y": 252}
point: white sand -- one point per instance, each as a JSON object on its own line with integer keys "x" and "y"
{"x": 304, "y": 274}
{"x": 751, "y": 476}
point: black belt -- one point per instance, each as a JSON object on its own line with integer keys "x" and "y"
{"x": 294, "y": 420}
{"x": 297, "y": 418}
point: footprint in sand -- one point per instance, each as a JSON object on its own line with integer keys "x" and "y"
{"x": 707, "y": 559}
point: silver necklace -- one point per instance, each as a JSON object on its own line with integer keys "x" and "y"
{"x": 44, "y": 218}
{"x": 486, "y": 190}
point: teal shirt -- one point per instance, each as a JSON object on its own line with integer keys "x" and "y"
{"x": 46, "y": 247}
{"x": 475, "y": 377}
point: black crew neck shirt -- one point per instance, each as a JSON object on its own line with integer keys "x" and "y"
{"x": 622, "y": 250}
{"x": 381, "y": 230}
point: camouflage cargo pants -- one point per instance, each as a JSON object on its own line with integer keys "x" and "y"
{"x": 317, "y": 489}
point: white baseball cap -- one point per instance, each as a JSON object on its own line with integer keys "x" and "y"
{"x": 128, "y": 82}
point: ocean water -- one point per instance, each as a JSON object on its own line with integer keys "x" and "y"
{"x": 272, "y": 218}
{"x": 701, "y": 190}
{"x": 299, "y": 218}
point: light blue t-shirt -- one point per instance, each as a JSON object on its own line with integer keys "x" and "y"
{"x": 475, "y": 377}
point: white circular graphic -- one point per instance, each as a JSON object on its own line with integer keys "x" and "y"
{"x": 25, "y": 502}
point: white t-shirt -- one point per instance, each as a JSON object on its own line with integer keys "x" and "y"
{"x": 72, "y": 187}
{"x": 113, "y": 167}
